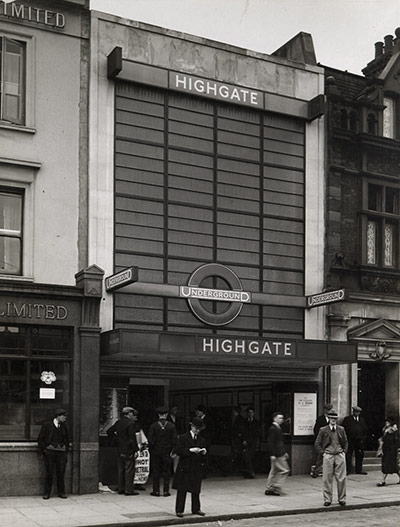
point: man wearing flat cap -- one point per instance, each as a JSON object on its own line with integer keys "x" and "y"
{"x": 332, "y": 443}
{"x": 125, "y": 432}
{"x": 191, "y": 449}
{"x": 162, "y": 440}
{"x": 357, "y": 433}
{"x": 53, "y": 441}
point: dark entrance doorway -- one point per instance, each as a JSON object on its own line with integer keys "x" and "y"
{"x": 146, "y": 398}
{"x": 371, "y": 398}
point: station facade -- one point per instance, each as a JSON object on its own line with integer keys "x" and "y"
{"x": 207, "y": 178}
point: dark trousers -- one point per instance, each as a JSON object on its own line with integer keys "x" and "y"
{"x": 181, "y": 498}
{"x": 55, "y": 460}
{"x": 126, "y": 472}
{"x": 161, "y": 465}
{"x": 356, "y": 446}
{"x": 249, "y": 454}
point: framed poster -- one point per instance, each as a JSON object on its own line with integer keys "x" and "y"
{"x": 305, "y": 413}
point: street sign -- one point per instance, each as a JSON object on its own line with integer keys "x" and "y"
{"x": 125, "y": 277}
{"x": 329, "y": 297}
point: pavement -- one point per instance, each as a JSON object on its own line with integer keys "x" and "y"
{"x": 222, "y": 499}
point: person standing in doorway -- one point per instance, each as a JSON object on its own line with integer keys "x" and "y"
{"x": 238, "y": 422}
{"x": 332, "y": 443}
{"x": 162, "y": 440}
{"x": 322, "y": 420}
{"x": 53, "y": 441}
{"x": 251, "y": 437}
{"x": 191, "y": 449}
{"x": 278, "y": 456}
{"x": 357, "y": 433}
{"x": 125, "y": 432}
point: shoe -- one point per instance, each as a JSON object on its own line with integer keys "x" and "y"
{"x": 166, "y": 494}
{"x": 327, "y": 503}
{"x": 63, "y": 496}
{"x": 132, "y": 493}
{"x": 342, "y": 503}
{"x": 140, "y": 487}
{"x": 381, "y": 484}
{"x": 271, "y": 493}
{"x": 46, "y": 496}
{"x": 121, "y": 492}
{"x": 363, "y": 473}
{"x": 314, "y": 475}
{"x": 179, "y": 514}
{"x": 199, "y": 513}
{"x": 154, "y": 493}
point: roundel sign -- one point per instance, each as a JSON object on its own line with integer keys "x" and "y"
{"x": 195, "y": 294}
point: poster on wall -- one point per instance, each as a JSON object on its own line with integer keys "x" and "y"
{"x": 305, "y": 413}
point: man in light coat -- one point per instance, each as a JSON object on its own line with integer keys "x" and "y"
{"x": 332, "y": 443}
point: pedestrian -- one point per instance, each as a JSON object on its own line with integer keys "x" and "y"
{"x": 388, "y": 445}
{"x": 251, "y": 437}
{"x": 332, "y": 444}
{"x": 322, "y": 420}
{"x": 124, "y": 430}
{"x": 238, "y": 422}
{"x": 162, "y": 440}
{"x": 207, "y": 432}
{"x": 53, "y": 441}
{"x": 278, "y": 456}
{"x": 191, "y": 449}
{"x": 357, "y": 432}
{"x": 174, "y": 416}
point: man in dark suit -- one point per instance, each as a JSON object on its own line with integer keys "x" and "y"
{"x": 278, "y": 456}
{"x": 53, "y": 441}
{"x": 322, "y": 420}
{"x": 332, "y": 443}
{"x": 191, "y": 449}
{"x": 251, "y": 437}
{"x": 162, "y": 440}
{"x": 125, "y": 432}
{"x": 357, "y": 432}
{"x": 175, "y": 418}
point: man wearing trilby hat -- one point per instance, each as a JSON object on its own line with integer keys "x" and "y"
{"x": 332, "y": 443}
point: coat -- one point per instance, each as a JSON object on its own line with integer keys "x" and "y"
{"x": 162, "y": 438}
{"x": 324, "y": 438}
{"x": 390, "y": 444}
{"x": 47, "y": 434}
{"x": 319, "y": 423}
{"x": 275, "y": 441}
{"x": 125, "y": 432}
{"x": 355, "y": 429}
{"x": 190, "y": 469}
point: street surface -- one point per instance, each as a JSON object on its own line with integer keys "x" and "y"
{"x": 373, "y": 517}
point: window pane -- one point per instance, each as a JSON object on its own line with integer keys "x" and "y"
{"x": 12, "y": 339}
{"x": 42, "y": 408}
{"x": 12, "y": 399}
{"x": 51, "y": 341}
{"x": 391, "y": 200}
{"x": 10, "y": 211}
{"x": 13, "y": 81}
{"x": 388, "y": 118}
{"x": 10, "y": 255}
{"x": 388, "y": 259}
{"x": 374, "y": 197}
{"x": 371, "y": 242}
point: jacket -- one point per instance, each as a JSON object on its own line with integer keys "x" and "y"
{"x": 48, "y": 433}
{"x": 275, "y": 442}
{"x": 324, "y": 438}
{"x": 162, "y": 438}
{"x": 355, "y": 429}
{"x": 125, "y": 432}
{"x": 190, "y": 469}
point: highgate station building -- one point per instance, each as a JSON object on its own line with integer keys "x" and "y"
{"x": 207, "y": 192}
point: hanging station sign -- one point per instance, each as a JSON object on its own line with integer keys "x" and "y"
{"x": 329, "y": 297}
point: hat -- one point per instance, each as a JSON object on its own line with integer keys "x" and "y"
{"x": 162, "y": 410}
{"x": 328, "y": 406}
{"x": 127, "y": 410}
{"x": 198, "y": 423}
{"x": 60, "y": 411}
{"x": 357, "y": 408}
{"x": 332, "y": 413}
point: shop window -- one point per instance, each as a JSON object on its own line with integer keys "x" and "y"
{"x": 12, "y": 80}
{"x": 11, "y": 207}
{"x": 380, "y": 221}
{"x": 35, "y": 368}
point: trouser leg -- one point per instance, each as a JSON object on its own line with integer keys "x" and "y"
{"x": 359, "y": 455}
{"x": 282, "y": 471}
{"x": 166, "y": 471}
{"x": 156, "y": 471}
{"x": 129, "y": 473}
{"x": 272, "y": 475}
{"x": 49, "y": 461}
{"x": 121, "y": 473}
{"x": 180, "y": 501}
{"x": 340, "y": 475}
{"x": 61, "y": 464}
{"x": 195, "y": 502}
{"x": 349, "y": 457}
{"x": 327, "y": 476}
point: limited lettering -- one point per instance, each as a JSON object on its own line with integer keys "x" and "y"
{"x": 32, "y": 14}
{"x": 33, "y": 311}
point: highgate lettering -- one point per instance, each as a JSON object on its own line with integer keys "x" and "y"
{"x": 32, "y": 14}
{"x": 249, "y": 347}
{"x": 216, "y": 90}
{"x": 33, "y": 311}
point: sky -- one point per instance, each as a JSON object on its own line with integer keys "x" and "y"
{"x": 344, "y": 31}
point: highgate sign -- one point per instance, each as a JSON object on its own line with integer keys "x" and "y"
{"x": 252, "y": 347}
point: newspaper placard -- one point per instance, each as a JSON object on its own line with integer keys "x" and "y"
{"x": 142, "y": 467}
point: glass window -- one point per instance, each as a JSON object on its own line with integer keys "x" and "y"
{"x": 12, "y": 80}
{"x": 34, "y": 378}
{"x": 11, "y": 207}
{"x": 388, "y": 117}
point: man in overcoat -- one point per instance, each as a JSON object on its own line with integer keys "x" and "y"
{"x": 332, "y": 443}
{"x": 357, "y": 433}
{"x": 53, "y": 441}
{"x": 191, "y": 449}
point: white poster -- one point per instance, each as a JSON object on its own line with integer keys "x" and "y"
{"x": 47, "y": 393}
{"x": 305, "y": 413}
